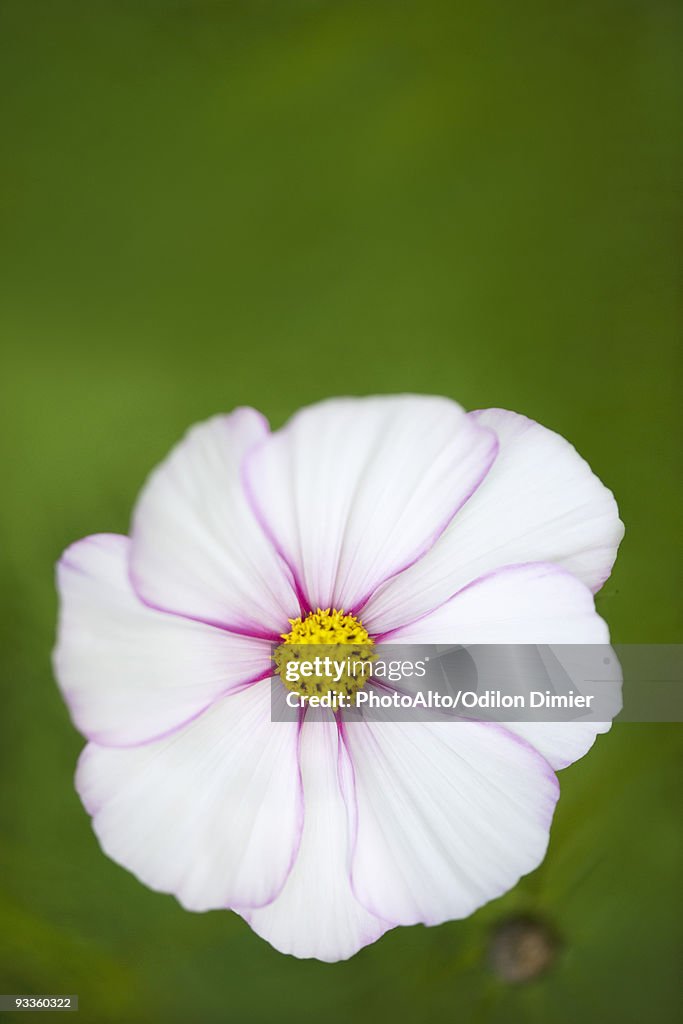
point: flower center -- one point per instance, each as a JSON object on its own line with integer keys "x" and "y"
{"x": 339, "y": 668}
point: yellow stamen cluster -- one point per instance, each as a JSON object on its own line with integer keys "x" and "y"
{"x": 344, "y": 663}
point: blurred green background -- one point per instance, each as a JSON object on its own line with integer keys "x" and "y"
{"x": 207, "y": 204}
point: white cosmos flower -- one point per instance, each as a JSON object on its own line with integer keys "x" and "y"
{"x": 423, "y": 523}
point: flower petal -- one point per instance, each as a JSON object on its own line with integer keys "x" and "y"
{"x": 449, "y": 816}
{"x": 560, "y": 743}
{"x": 353, "y": 490}
{"x": 523, "y": 604}
{"x": 211, "y": 813}
{"x": 127, "y": 672}
{"x": 540, "y": 502}
{"x": 316, "y": 914}
{"x": 518, "y": 604}
{"x": 197, "y": 547}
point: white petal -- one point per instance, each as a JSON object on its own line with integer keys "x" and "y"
{"x": 518, "y": 604}
{"x": 130, "y": 673}
{"x": 354, "y": 489}
{"x": 560, "y": 743}
{"x": 566, "y": 666}
{"x": 316, "y": 914}
{"x": 211, "y": 813}
{"x": 197, "y": 547}
{"x": 526, "y": 604}
{"x": 540, "y": 502}
{"x": 449, "y": 816}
